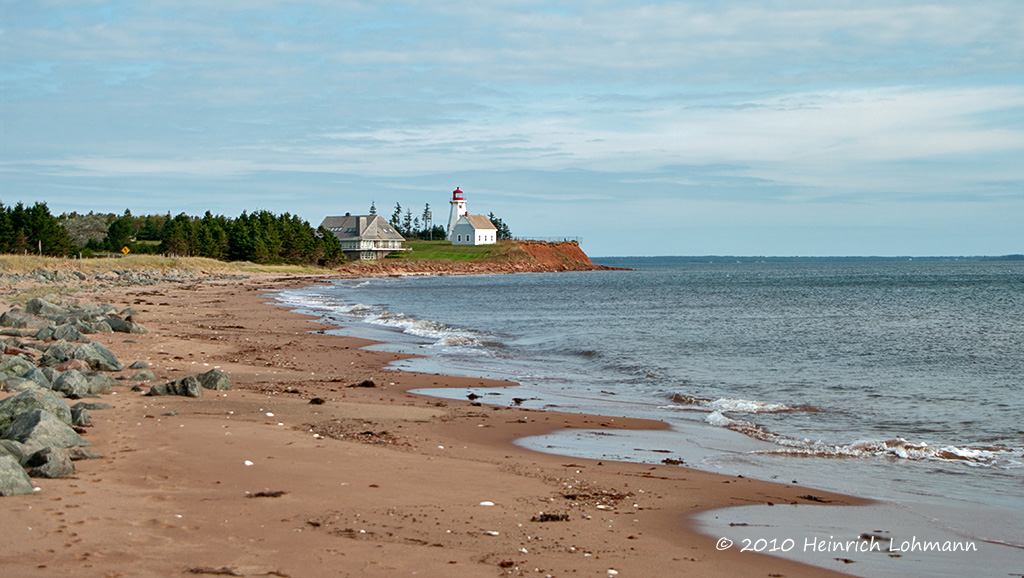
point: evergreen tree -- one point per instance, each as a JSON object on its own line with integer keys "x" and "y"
{"x": 407, "y": 224}
{"x": 396, "y": 217}
{"x": 503, "y": 232}
{"x": 119, "y": 234}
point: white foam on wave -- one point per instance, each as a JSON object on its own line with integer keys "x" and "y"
{"x": 730, "y": 405}
{"x": 897, "y": 448}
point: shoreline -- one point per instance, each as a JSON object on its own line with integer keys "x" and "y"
{"x": 398, "y": 491}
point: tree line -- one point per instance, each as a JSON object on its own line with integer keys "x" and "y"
{"x": 258, "y": 237}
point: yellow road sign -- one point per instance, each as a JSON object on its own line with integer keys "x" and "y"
{"x": 126, "y": 250}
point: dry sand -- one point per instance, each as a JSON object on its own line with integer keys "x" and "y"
{"x": 372, "y": 482}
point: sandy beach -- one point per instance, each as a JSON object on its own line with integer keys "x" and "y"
{"x": 304, "y": 469}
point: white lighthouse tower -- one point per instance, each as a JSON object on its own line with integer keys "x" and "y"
{"x": 458, "y": 209}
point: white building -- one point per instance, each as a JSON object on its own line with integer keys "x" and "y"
{"x": 474, "y": 230}
{"x": 364, "y": 236}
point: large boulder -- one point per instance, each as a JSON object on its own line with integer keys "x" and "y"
{"x": 18, "y": 450}
{"x": 50, "y": 463}
{"x": 44, "y": 308}
{"x": 20, "y": 320}
{"x": 15, "y": 366}
{"x": 43, "y": 399}
{"x": 124, "y": 326}
{"x": 98, "y": 357}
{"x": 17, "y": 384}
{"x": 43, "y": 429}
{"x": 72, "y": 384}
{"x": 13, "y": 479}
{"x": 99, "y": 382}
{"x": 187, "y": 386}
{"x": 215, "y": 380}
{"x": 69, "y": 332}
{"x": 80, "y": 416}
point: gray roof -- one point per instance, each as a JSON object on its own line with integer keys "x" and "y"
{"x": 479, "y": 222}
{"x": 352, "y": 227}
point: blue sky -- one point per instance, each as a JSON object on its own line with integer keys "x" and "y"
{"x": 663, "y": 128}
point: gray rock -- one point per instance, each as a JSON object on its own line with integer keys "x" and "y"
{"x": 139, "y": 365}
{"x": 144, "y": 375}
{"x": 92, "y": 406}
{"x": 43, "y": 308}
{"x": 72, "y": 384}
{"x": 98, "y": 357}
{"x": 17, "y": 384}
{"x": 101, "y": 327}
{"x": 99, "y": 382}
{"x": 16, "y": 366}
{"x": 21, "y": 320}
{"x": 70, "y": 332}
{"x": 18, "y": 450}
{"x": 215, "y": 379}
{"x": 57, "y": 353}
{"x": 83, "y": 454}
{"x": 50, "y": 463}
{"x": 43, "y": 399}
{"x": 45, "y": 333}
{"x": 124, "y": 326}
{"x": 129, "y": 311}
{"x": 42, "y": 428}
{"x": 13, "y": 479}
{"x": 187, "y": 386}
{"x": 80, "y": 416}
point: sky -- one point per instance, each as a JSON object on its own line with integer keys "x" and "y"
{"x": 692, "y": 127}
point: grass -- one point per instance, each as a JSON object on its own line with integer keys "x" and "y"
{"x": 444, "y": 250}
{"x": 25, "y": 263}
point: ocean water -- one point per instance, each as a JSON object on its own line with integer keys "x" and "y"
{"x": 900, "y": 381}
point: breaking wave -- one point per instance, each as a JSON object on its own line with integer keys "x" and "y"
{"x": 897, "y": 448}
{"x": 689, "y": 403}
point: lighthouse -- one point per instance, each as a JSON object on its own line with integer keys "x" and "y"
{"x": 458, "y": 209}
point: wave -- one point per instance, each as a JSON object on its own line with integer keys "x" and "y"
{"x": 897, "y": 448}
{"x": 690, "y": 403}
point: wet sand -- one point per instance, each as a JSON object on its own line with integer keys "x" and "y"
{"x": 264, "y": 480}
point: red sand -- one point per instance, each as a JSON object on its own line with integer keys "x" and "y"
{"x": 391, "y": 484}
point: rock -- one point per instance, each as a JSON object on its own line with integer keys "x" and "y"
{"x": 144, "y": 375}
{"x": 69, "y": 332}
{"x": 15, "y": 366}
{"x": 187, "y": 386}
{"x": 92, "y": 406}
{"x": 72, "y": 384}
{"x": 82, "y": 454}
{"x": 215, "y": 379}
{"x": 42, "y": 428}
{"x": 98, "y": 357}
{"x": 139, "y": 365}
{"x": 43, "y": 399}
{"x": 13, "y": 479}
{"x": 50, "y": 463}
{"x": 72, "y": 364}
{"x": 123, "y": 326}
{"x": 129, "y": 312}
{"x": 57, "y": 354}
{"x": 21, "y": 320}
{"x": 45, "y": 333}
{"x": 17, "y": 384}
{"x": 18, "y": 450}
{"x": 99, "y": 382}
{"x": 80, "y": 416}
{"x": 43, "y": 308}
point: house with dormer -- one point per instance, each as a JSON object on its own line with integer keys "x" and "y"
{"x": 365, "y": 237}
